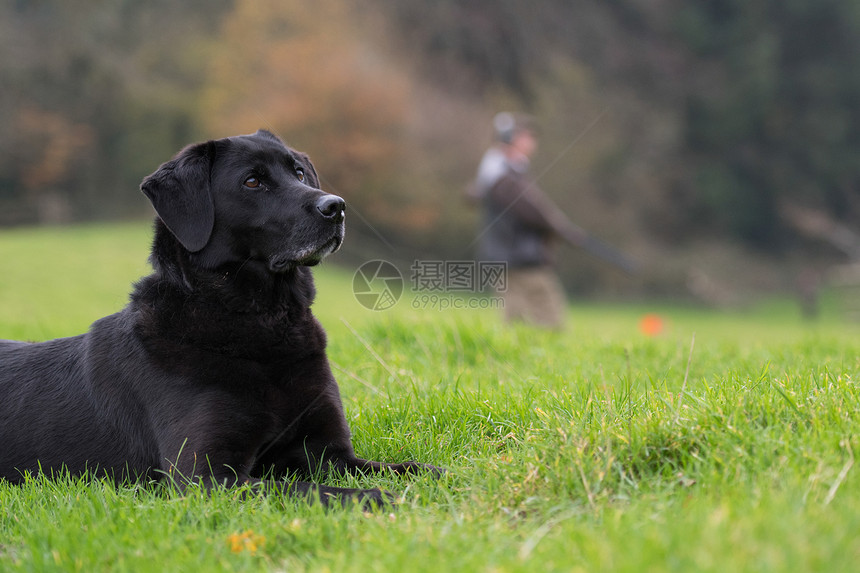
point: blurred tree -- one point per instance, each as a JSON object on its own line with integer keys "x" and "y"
{"x": 712, "y": 114}
{"x": 496, "y": 42}
{"x": 44, "y": 161}
{"x": 773, "y": 114}
{"x": 324, "y": 88}
{"x": 96, "y": 94}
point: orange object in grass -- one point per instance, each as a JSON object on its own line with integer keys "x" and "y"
{"x": 245, "y": 541}
{"x": 651, "y": 324}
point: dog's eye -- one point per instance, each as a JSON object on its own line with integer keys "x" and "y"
{"x": 300, "y": 173}
{"x": 252, "y": 182}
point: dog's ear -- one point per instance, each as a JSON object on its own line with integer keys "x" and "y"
{"x": 180, "y": 193}
{"x": 270, "y": 135}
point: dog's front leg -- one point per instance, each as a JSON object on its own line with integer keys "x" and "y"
{"x": 359, "y": 466}
{"x": 224, "y": 476}
{"x": 328, "y": 495}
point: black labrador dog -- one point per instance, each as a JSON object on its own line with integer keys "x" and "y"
{"x": 216, "y": 370}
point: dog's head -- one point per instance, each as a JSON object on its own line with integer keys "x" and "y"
{"x": 247, "y": 198}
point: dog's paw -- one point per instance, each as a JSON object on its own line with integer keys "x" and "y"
{"x": 419, "y": 468}
{"x": 376, "y": 499}
{"x": 368, "y": 499}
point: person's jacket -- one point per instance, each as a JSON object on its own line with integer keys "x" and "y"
{"x": 518, "y": 224}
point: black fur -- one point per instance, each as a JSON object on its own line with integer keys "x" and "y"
{"x": 216, "y": 369}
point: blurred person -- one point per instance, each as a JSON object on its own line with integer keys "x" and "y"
{"x": 521, "y": 226}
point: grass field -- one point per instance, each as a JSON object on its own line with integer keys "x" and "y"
{"x": 725, "y": 443}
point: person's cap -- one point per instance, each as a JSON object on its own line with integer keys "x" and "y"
{"x": 507, "y": 124}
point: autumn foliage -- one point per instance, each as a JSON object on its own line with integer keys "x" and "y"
{"x": 677, "y": 131}
{"x": 325, "y": 89}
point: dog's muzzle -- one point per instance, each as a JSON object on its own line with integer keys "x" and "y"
{"x": 332, "y": 208}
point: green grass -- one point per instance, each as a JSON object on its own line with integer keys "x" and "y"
{"x": 724, "y": 444}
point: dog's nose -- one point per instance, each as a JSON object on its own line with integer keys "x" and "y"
{"x": 331, "y": 207}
